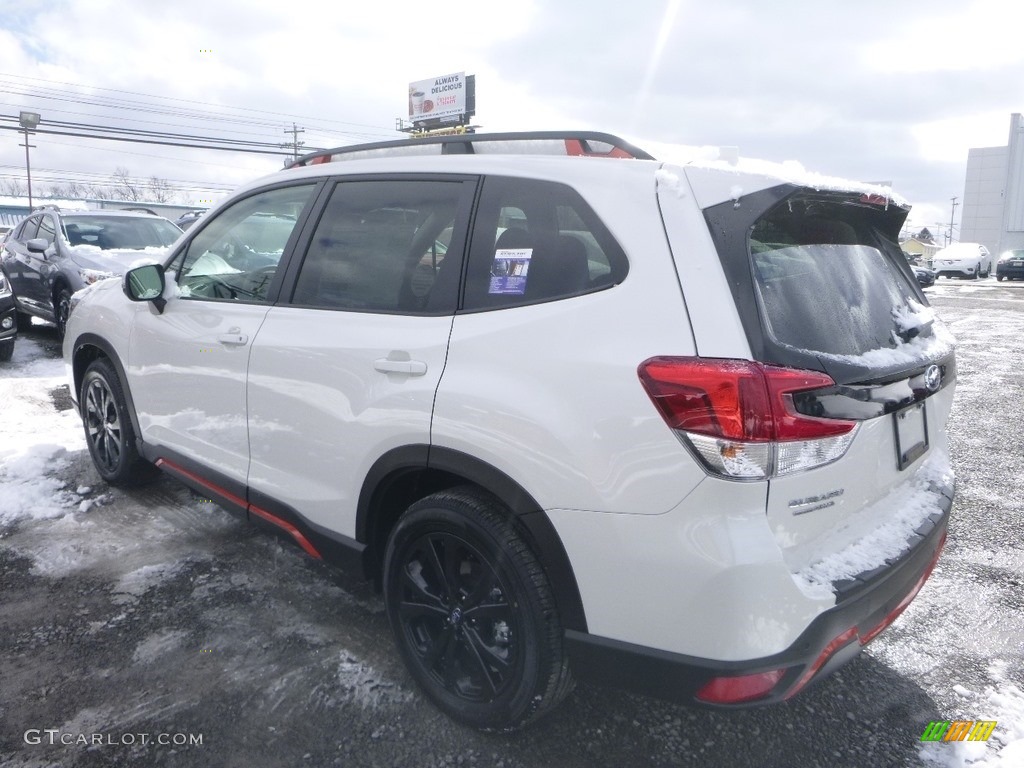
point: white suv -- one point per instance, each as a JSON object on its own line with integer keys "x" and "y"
{"x": 578, "y": 412}
{"x": 970, "y": 260}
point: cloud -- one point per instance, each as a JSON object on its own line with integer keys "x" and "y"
{"x": 870, "y": 90}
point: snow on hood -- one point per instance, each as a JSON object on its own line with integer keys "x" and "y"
{"x": 117, "y": 259}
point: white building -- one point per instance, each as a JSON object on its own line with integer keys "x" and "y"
{"x": 993, "y": 212}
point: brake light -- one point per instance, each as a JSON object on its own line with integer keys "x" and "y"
{"x": 739, "y": 415}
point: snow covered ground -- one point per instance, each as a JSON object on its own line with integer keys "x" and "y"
{"x": 156, "y": 577}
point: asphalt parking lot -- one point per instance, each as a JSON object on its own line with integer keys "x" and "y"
{"x": 149, "y": 627}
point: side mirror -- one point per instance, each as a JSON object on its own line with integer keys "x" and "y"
{"x": 36, "y": 245}
{"x": 145, "y": 283}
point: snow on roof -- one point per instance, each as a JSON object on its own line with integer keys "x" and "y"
{"x": 728, "y": 159}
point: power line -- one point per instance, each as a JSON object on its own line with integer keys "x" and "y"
{"x": 230, "y": 148}
{"x": 166, "y": 105}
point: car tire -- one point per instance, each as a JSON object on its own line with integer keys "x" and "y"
{"x": 108, "y": 427}
{"x": 999, "y": 278}
{"x": 473, "y": 612}
{"x": 6, "y": 350}
{"x": 24, "y": 321}
{"x": 61, "y": 310}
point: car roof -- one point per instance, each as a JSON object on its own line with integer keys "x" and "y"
{"x": 112, "y": 212}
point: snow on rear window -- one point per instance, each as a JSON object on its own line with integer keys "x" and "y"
{"x": 825, "y": 287}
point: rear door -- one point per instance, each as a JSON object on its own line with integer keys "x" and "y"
{"x": 346, "y": 370}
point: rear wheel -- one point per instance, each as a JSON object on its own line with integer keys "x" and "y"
{"x": 473, "y": 613}
{"x": 108, "y": 427}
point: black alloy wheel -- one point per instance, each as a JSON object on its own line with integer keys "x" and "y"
{"x": 108, "y": 428}
{"x": 473, "y": 613}
{"x": 61, "y": 310}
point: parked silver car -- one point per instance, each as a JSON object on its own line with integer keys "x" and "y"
{"x": 52, "y": 254}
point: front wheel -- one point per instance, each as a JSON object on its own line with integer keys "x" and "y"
{"x": 6, "y": 350}
{"x": 108, "y": 427}
{"x": 61, "y": 310}
{"x": 473, "y": 613}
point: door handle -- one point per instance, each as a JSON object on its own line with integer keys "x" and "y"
{"x": 410, "y": 367}
{"x": 234, "y": 337}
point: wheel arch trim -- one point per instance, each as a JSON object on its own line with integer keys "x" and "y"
{"x": 78, "y": 374}
{"x": 423, "y": 460}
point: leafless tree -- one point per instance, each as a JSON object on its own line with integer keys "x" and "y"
{"x": 13, "y": 187}
{"x": 125, "y": 187}
{"x": 159, "y": 190}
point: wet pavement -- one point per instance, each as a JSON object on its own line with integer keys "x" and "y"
{"x": 148, "y": 627}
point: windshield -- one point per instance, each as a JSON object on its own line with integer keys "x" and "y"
{"x": 120, "y": 232}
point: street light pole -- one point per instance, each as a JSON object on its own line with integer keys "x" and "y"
{"x": 28, "y": 120}
{"x": 952, "y": 213}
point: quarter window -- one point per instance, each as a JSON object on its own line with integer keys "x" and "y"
{"x": 384, "y": 246}
{"x": 236, "y": 255}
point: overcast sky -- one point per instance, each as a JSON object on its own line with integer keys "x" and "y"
{"x": 868, "y": 90}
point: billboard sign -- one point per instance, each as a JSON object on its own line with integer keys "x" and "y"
{"x": 438, "y": 98}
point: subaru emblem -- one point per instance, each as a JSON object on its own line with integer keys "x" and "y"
{"x": 932, "y": 378}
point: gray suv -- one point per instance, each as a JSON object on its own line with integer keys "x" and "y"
{"x": 52, "y": 254}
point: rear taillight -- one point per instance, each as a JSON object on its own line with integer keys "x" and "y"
{"x": 739, "y": 417}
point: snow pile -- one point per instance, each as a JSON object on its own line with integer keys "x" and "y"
{"x": 934, "y": 346}
{"x": 910, "y": 504}
{"x": 1002, "y": 702}
{"x": 37, "y": 439}
{"x": 912, "y": 315}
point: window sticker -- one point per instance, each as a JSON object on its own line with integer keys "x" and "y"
{"x": 509, "y": 271}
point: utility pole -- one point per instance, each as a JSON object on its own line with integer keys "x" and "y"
{"x": 295, "y": 131}
{"x": 952, "y": 213}
{"x": 28, "y": 121}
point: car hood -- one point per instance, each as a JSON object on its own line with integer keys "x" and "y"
{"x": 117, "y": 260}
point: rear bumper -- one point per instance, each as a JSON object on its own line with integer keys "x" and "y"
{"x": 864, "y": 607}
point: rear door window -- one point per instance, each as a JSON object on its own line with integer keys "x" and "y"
{"x": 536, "y": 241}
{"x": 390, "y": 246}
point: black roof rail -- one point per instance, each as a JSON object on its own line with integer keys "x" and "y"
{"x": 139, "y": 209}
{"x": 577, "y": 143}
